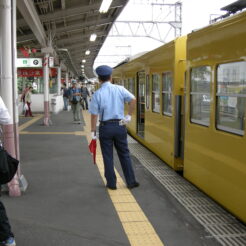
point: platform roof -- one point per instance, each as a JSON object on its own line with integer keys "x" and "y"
{"x": 69, "y": 24}
{"x": 235, "y": 6}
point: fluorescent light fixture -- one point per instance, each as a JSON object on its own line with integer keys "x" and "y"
{"x": 84, "y": 61}
{"x": 105, "y": 6}
{"x": 93, "y": 37}
{"x": 82, "y": 65}
{"x": 87, "y": 52}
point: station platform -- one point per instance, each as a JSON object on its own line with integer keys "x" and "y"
{"x": 67, "y": 203}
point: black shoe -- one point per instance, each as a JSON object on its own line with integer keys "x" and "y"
{"x": 134, "y": 185}
{"x": 111, "y": 187}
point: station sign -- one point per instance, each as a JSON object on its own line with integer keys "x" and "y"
{"x": 29, "y": 62}
{"x": 38, "y": 72}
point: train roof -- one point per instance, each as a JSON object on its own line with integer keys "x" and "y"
{"x": 219, "y": 24}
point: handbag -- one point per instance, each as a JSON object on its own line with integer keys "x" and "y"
{"x": 25, "y": 106}
{"x": 8, "y": 166}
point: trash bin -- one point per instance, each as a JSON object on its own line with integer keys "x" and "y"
{"x": 54, "y": 105}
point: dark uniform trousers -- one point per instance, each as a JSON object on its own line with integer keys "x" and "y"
{"x": 5, "y": 229}
{"x": 112, "y": 134}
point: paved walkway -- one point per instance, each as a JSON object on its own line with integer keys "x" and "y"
{"x": 67, "y": 203}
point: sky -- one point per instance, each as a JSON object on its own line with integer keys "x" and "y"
{"x": 195, "y": 15}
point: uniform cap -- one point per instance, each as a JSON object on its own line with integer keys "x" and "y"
{"x": 104, "y": 70}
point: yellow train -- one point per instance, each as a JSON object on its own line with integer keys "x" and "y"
{"x": 191, "y": 97}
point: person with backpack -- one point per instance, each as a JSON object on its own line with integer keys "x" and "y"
{"x": 74, "y": 98}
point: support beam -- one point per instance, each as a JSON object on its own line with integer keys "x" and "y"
{"x": 28, "y": 11}
{"x": 78, "y": 38}
{"x": 77, "y": 26}
{"x": 80, "y": 10}
{"x": 63, "y": 4}
{"x": 80, "y": 46}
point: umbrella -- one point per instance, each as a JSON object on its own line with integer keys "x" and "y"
{"x": 93, "y": 149}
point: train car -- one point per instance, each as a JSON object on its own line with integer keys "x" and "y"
{"x": 215, "y": 140}
{"x": 203, "y": 75}
{"x": 156, "y": 78}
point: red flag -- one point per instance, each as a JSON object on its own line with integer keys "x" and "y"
{"x": 93, "y": 149}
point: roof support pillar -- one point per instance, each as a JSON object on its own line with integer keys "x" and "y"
{"x": 8, "y": 86}
{"x": 59, "y": 80}
{"x": 47, "y": 121}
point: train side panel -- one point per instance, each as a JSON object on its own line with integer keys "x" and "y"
{"x": 159, "y": 127}
{"x": 215, "y": 139}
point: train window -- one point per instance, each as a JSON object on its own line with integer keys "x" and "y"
{"x": 156, "y": 93}
{"x": 147, "y": 98}
{"x": 231, "y": 97}
{"x": 126, "y": 83}
{"x": 131, "y": 85}
{"x": 200, "y": 95}
{"x": 167, "y": 84}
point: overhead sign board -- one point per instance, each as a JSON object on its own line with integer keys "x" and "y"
{"x": 35, "y": 72}
{"x": 29, "y": 62}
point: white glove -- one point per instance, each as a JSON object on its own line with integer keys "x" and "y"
{"x": 127, "y": 119}
{"x": 93, "y": 135}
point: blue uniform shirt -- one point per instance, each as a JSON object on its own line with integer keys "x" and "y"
{"x": 108, "y": 101}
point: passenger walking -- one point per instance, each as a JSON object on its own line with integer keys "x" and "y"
{"x": 84, "y": 94}
{"x": 108, "y": 103}
{"x": 75, "y": 94}
{"x": 28, "y": 100}
{"x": 23, "y": 100}
{"x": 6, "y": 234}
{"x": 65, "y": 97}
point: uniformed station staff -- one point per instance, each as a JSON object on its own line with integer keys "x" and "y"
{"x": 108, "y": 103}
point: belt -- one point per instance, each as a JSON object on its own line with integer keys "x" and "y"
{"x": 102, "y": 123}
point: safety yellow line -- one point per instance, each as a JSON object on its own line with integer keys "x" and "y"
{"x": 30, "y": 122}
{"x": 137, "y": 227}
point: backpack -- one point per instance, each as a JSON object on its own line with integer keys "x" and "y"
{"x": 8, "y": 166}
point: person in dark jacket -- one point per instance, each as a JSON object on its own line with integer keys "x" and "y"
{"x": 84, "y": 94}
{"x": 65, "y": 97}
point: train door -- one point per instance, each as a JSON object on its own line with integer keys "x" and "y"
{"x": 180, "y": 123}
{"x": 140, "y": 103}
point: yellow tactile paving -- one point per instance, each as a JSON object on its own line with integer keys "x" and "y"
{"x": 123, "y": 207}
{"x": 145, "y": 240}
{"x": 132, "y": 216}
{"x": 30, "y": 122}
{"x": 138, "y": 229}
{"x": 122, "y": 198}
